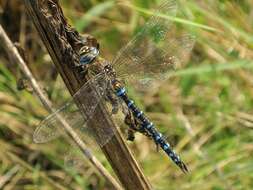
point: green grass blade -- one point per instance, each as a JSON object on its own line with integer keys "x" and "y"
{"x": 96, "y": 11}
{"x": 174, "y": 19}
{"x": 214, "y": 67}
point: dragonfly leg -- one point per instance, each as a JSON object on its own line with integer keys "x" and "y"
{"x": 130, "y": 122}
{"x": 82, "y": 69}
{"x": 135, "y": 126}
{"x": 130, "y": 135}
{"x": 142, "y": 130}
{"x": 113, "y": 101}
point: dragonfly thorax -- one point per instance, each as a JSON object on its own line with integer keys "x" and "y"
{"x": 108, "y": 69}
{"x": 110, "y": 72}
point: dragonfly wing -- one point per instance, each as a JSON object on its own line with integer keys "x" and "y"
{"x": 76, "y": 159}
{"x": 155, "y": 49}
{"x": 155, "y": 29}
{"x": 70, "y": 116}
{"x": 172, "y": 53}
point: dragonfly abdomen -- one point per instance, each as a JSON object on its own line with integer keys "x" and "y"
{"x": 149, "y": 126}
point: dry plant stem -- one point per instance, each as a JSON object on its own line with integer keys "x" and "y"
{"x": 7, "y": 177}
{"x": 63, "y": 43}
{"x": 15, "y": 56}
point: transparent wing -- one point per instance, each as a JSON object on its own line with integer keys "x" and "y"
{"x": 154, "y": 31}
{"x": 74, "y": 157}
{"x": 155, "y": 49}
{"x": 70, "y": 118}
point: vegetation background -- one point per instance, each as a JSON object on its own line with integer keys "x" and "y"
{"x": 205, "y": 107}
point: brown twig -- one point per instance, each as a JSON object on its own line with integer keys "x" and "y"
{"x": 15, "y": 56}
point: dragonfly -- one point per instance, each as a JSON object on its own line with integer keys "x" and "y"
{"x": 149, "y": 57}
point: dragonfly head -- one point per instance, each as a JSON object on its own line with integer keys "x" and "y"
{"x": 88, "y": 54}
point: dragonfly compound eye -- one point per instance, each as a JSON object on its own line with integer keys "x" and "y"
{"x": 88, "y": 54}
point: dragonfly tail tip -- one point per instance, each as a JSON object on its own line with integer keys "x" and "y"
{"x": 183, "y": 167}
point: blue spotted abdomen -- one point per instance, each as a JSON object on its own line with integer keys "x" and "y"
{"x": 150, "y": 128}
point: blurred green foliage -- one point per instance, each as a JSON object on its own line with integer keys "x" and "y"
{"x": 205, "y": 107}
